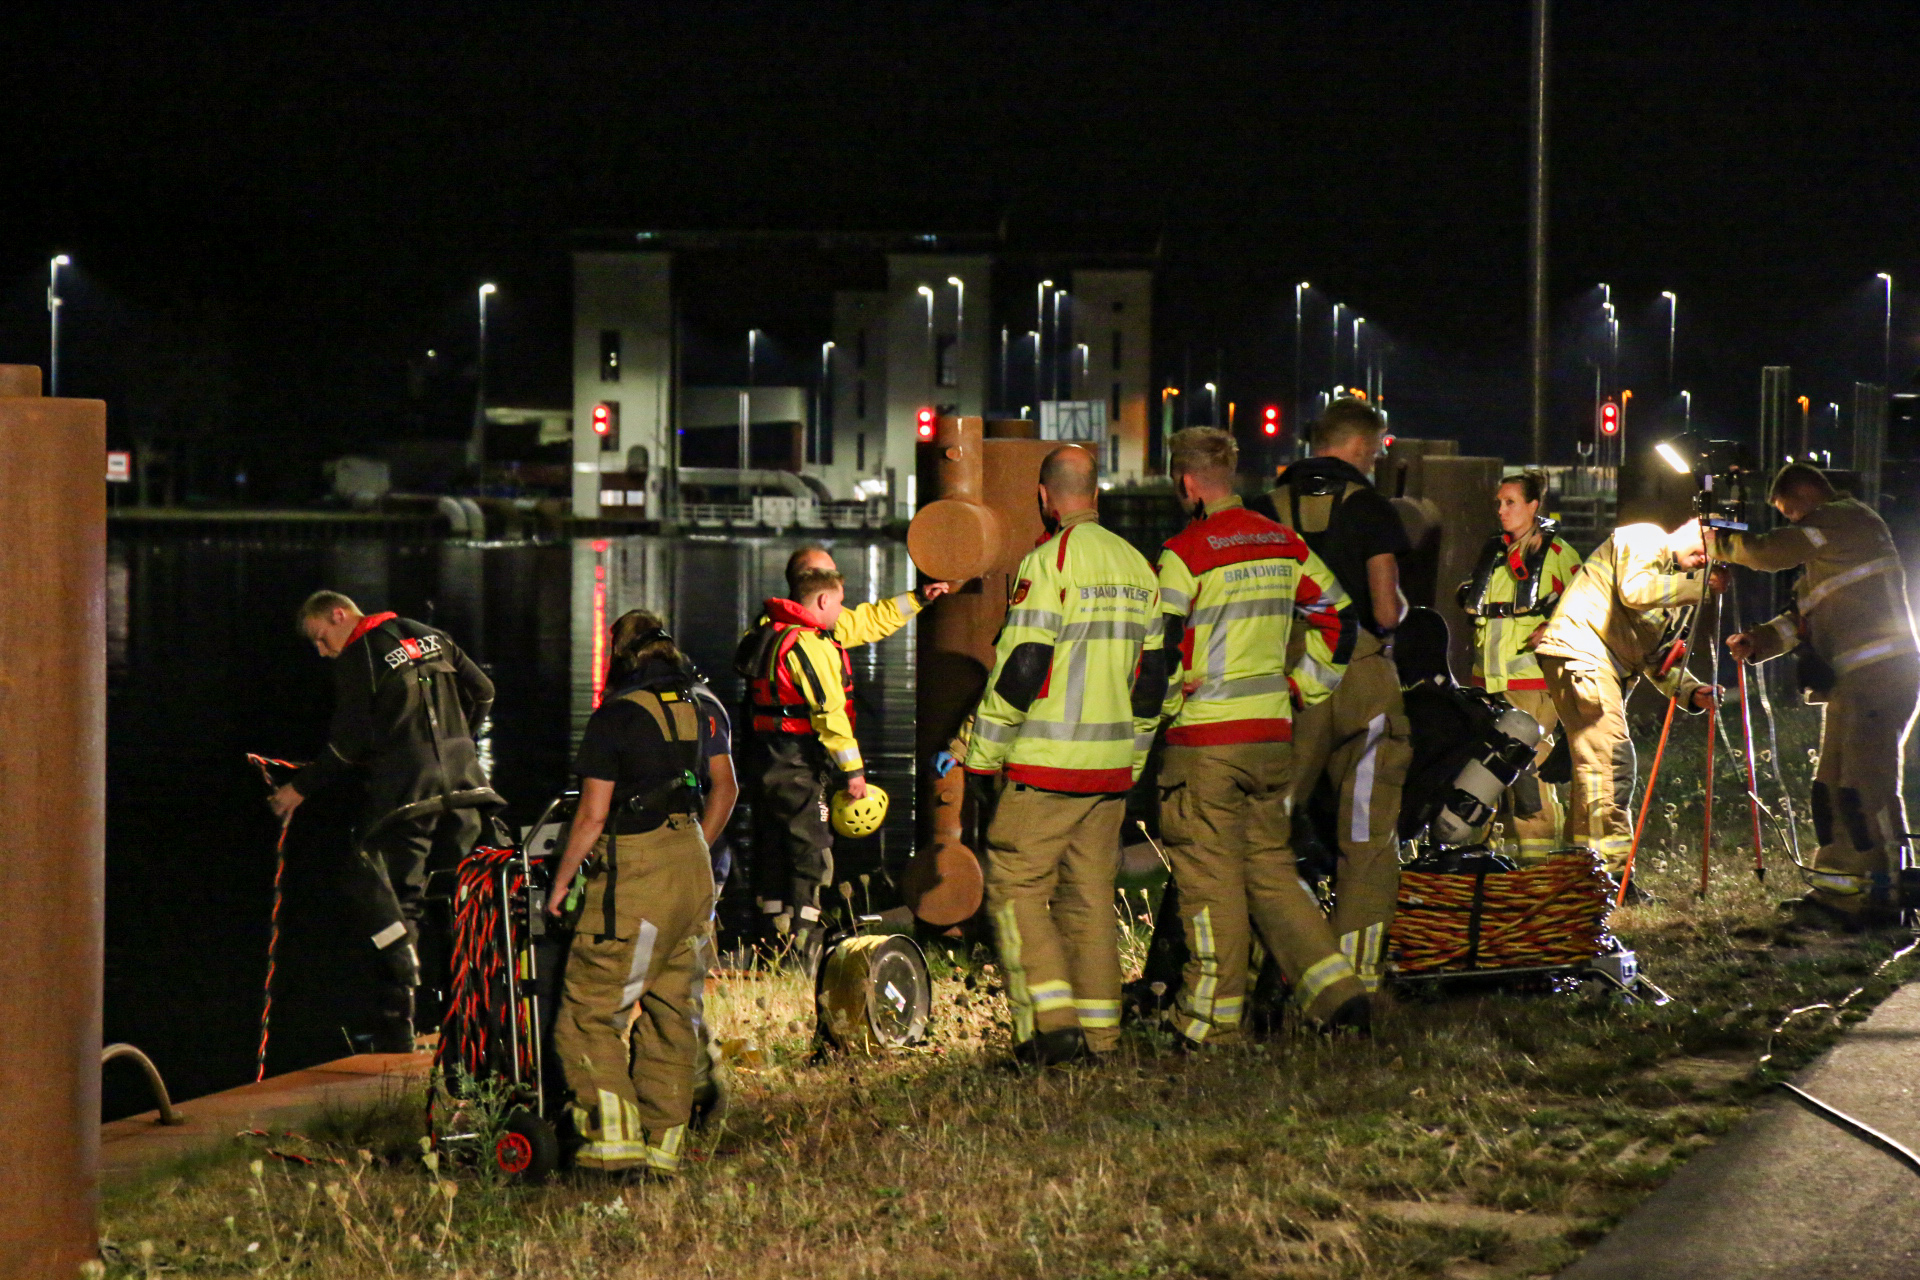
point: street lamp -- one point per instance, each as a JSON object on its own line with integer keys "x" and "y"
{"x": 959, "y": 309}
{"x": 1058, "y": 294}
{"x": 1084, "y": 353}
{"x": 1333, "y": 358}
{"x": 1357, "y": 366}
{"x": 753, "y": 336}
{"x": 1886, "y": 338}
{"x": 1037, "y": 391}
{"x": 1299, "y": 312}
{"x": 1686, "y": 400}
{"x": 1039, "y": 327}
{"x": 53, "y": 322}
{"x": 1673, "y": 313}
{"x": 477, "y": 447}
{"x": 1213, "y": 403}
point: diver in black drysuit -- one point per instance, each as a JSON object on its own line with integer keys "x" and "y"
{"x": 406, "y": 700}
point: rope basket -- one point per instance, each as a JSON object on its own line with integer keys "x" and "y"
{"x": 1551, "y": 914}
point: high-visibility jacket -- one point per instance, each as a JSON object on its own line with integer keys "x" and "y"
{"x": 1623, "y": 604}
{"x": 1078, "y": 671}
{"x": 1505, "y": 615}
{"x": 1851, "y": 603}
{"x": 1232, "y": 584}
{"x": 803, "y": 684}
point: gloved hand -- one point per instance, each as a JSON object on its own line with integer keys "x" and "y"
{"x": 942, "y": 763}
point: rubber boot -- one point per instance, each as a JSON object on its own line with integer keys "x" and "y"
{"x": 1354, "y": 1018}
{"x": 1053, "y": 1048}
{"x": 394, "y": 1033}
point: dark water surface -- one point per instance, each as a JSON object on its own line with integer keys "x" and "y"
{"x": 204, "y": 666}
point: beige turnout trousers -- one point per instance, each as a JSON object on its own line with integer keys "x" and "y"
{"x": 1859, "y": 811}
{"x": 1539, "y": 831}
{"x": 1051, "y": 862}
{"x": 625, "y": 1032}
{"x": 1360, "y": 738}
{"x": 1593, "y": 714}
{"x": 1226, "y": 815}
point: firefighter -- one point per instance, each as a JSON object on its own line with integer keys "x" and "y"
{"x": 406, "y": 702}
{"x": 1619, "y": 623}
{"x": 1851, "y": 625}
{"x": 1232, "y": 585}
{"x": 1359, "y": 738}
{"x": 627, "y": 1031}
{"x": 800, "y": 685}
{"x": 1068, "y": 715}
{"x": 1523, "y": 571}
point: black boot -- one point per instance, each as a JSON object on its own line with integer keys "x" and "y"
{"x": 1354, "y": 1018}
{"x": 394, "y": 1033}
{"x": 1053, "y": 1048}
{"x": 1812, "y": 913}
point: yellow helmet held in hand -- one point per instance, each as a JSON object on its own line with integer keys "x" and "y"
{"x": 855, "y": 818}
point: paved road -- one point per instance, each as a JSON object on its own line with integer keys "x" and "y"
{"x": 1790, "y": 1195}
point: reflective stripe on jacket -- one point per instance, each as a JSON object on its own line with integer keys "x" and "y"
{"x": 1073, "y": 700}
{"x": 806, "y": 687}
{"x": 1618, "y": 609}
{"x": 1500, "y": 659}
{"x": 1852, "y": 599}
{"x": 1231, "y": 585}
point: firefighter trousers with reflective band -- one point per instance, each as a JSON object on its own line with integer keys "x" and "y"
{"x": 1593, "y": 714}
{"x": 1361, "y": 740}
{"x": 793, "y": 851}
{"x": 625, "y": 1034}
{"x": 1531, "y": 808}
{"x": 1859, "y": 811}
{"x": 1052, "y": 858}
{"x": 1226, "y": 814}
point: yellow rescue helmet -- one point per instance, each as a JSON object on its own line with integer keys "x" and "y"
{"x": 855, "y": 818}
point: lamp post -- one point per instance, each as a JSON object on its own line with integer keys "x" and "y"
{"x": 1037, "y": 391}
{"x": 1686, "y": 401}
{"x": 1058, "y": 294}
{"x": 1081, "y": 349}
{"x": 1886, "y": 338}
{"x": 1673, "y": 314}
{"x": 54, "y": 301}
{"x": 1213, "y": 404}
{"x": 477, "y": 446}
{"x": 1299, "y": 313}
{"x": 823, "y": 428}
{"x": 1333, "y": 358}
{"x": 959, "y": 323}
{"x": 1039, "y": 328}
{"x": 1003, "y": 366}
{"x": 1358, "y": 368}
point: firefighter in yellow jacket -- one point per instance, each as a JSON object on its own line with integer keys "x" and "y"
{"x": 1615, "y": 625}
{"x": 1068, "y": 715}
{"x": 1523, "y": 571}
{"x": 1851, "y": 624}
{"x": 1234, "y": 588}
{"x": 800, "y": 684}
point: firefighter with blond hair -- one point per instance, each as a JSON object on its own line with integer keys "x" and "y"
{"x": 1239, "y": 593}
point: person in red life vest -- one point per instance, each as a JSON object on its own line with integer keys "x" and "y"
{"x": 406, "y": 701}
{"x": 800, "y": 687}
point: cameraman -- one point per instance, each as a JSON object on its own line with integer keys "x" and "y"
{"x": 1618, "y": 622}
{"x": 1851, "y": 626}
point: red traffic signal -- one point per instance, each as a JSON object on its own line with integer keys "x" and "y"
{"x": 1270, "y": 420}
{"x": 603, "y": 419}
{"x": 925, "y": 420}
{"x": 1609, "y": 419}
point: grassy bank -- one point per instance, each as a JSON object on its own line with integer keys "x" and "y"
{"x": 1488, "y": 1135}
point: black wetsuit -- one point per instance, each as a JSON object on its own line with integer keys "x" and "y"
{"x": 405, "y": 702}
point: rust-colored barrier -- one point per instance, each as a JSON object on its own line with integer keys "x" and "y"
{"x": 53, "y": 816}
{"x": 983, "y": 520}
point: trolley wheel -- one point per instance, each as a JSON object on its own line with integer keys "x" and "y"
{"x": 527, "y": 1149}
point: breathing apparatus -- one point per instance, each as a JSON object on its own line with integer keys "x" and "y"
{"x": 1501, "y": 757}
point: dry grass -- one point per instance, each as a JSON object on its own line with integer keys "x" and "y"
{"x": 1490, "y": 1135}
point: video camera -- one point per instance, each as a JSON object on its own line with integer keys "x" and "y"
{"x": 1721, "y": 470}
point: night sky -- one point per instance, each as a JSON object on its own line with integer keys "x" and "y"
{"x": 274, "y": 207}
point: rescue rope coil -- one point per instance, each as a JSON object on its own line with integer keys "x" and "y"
{"x": 483, "y": 1034}
{"x": 1490, "y": 918}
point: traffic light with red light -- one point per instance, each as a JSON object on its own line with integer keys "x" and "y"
{"x": 606, "y": 425}
{"x": 1609, "y": 419}
{"x": 925, "y": 419}
{"x": 1270, "y": 420}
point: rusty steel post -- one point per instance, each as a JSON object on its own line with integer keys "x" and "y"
{"x": 976, "y": 531}
{"x": 53, "y": 811}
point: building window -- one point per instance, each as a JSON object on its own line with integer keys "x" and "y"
{"x": 1113, "y": 407}
{"x": 946, "y": 361}
{"x": 860, "y": 401}
{"x": 860, "y": 349}
{"x": 860, "y": 452}
{"x": 609, "y": 355}
{"x": 1116, "y": 350}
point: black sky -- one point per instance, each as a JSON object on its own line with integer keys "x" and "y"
{"x": 324, "y": 184}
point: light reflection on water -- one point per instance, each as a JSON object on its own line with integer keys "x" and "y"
{"x": 204, "y": 666}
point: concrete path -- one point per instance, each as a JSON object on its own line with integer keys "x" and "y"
{"x": 139, "y": 1142}
{"x": 1789, "y": 1194}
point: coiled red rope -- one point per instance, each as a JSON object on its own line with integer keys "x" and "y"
{"x": 266, "y": 765}
{"x": 1552, "y": 914}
